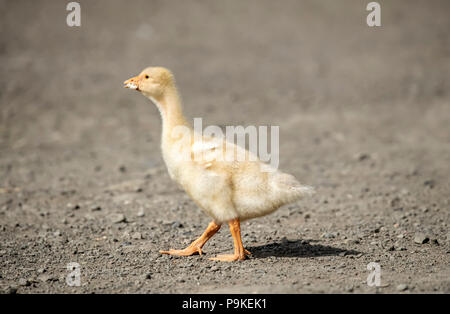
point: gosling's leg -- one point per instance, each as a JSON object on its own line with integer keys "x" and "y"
{"x": 196, "y": 246}
{"x": 239, "y": 252}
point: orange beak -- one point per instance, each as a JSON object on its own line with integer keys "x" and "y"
{"x": 132, "y": 83}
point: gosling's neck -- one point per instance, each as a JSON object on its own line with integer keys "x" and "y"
{"x": 170, "y": 108}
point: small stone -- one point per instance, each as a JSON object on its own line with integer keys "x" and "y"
{"x": 329, "y": 235}
{"x": 421, "y": 238}
{"x": 24, "y": 282}
{"x": 177, "y": 224}
{"x": 404, "y": 192}
{"x": 141, "y": 213}
{"x": 351, "y": 241}
{"x": 214, "y": 268}
{"x": 43, "y": 277}
{"x": 148, "y": 276}
{"x": 395, "y": 202}
{"x": 402, "y": 287}
{"x": 362, "y": 156}
{"x": 430, "y": 183}
{"x": 96, "y": 208}
{"x": 137, "y": 236}
{"x": 117, "y": 218}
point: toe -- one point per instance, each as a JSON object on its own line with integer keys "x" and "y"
{"x": 186, "y": 252}
{"x": 225, "y": 258}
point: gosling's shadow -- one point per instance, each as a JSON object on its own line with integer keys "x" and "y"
{"x": 297, "y": 248}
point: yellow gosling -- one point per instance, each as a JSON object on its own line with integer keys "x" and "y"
{"x": 228, "y": 191}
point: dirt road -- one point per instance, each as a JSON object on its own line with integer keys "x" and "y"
{"x": 364, "y": 116}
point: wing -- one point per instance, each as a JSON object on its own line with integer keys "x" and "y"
{"x": 207, "y": 150}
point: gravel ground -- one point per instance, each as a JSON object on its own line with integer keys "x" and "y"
{"x": 364, "y": 116}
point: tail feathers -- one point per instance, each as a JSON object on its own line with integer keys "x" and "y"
{"x": 296, "y": 193}
{"x": 287, "y": 189}
{"x": 305, "y": 190}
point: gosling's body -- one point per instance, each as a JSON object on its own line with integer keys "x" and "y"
{"x": 228, "y": 191}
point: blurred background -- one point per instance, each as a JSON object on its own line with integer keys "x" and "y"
{"x": 364, "y": 112}
{"x": 256, "y": 62}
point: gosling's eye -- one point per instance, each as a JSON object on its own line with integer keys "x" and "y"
{"x": 147, "y": 76}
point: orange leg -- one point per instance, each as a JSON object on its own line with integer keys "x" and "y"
{"x": 239, "y": 252}
{"x": 196, "y": 246}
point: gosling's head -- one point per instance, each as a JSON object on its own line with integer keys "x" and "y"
{"x": 152, "y": 82}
